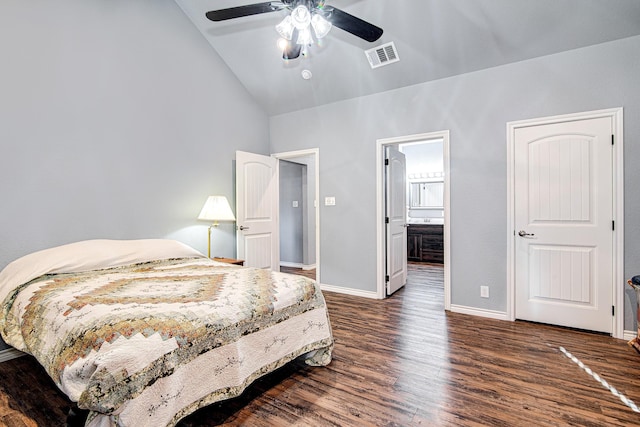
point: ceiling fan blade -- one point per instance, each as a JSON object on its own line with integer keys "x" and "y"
{"x": 352, "y": 24}
{"x": 246, "y": 10}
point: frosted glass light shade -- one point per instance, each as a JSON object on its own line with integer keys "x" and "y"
{"x": 304, "y": 37}
{"x": 301, "y": 17}
{"x": 285, "y": 28}
{"x": 216, "y": 208}
{"x": 320, "y": 26}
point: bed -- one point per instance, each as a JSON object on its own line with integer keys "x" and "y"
{"x": 145, "y": 332}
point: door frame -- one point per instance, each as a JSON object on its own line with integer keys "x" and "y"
{"x": 615, "y": 114}
{"x": 380, "y": 208}
{"x": 292, "y": 155}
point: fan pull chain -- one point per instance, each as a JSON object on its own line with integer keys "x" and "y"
{"x": 603, "y": 382}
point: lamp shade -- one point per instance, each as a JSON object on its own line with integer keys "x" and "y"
{"x": 216, "y": 208}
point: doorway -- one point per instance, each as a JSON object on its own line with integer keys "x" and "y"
{"x": 257, "y": 207}
{"x": 381, "y": 244}
{"x": 298, "y": 211}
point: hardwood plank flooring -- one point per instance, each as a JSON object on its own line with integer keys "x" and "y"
{"x": 403, "y": 361}
{"x": 311, "y": 273}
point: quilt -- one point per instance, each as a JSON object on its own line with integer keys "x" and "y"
{"x": 146, "y": 343}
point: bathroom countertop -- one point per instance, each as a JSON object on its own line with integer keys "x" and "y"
{"x": 426, "y": 221}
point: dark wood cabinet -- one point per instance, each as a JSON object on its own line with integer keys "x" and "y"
{"x": 425, "y": 243}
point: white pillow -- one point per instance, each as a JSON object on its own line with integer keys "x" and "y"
{"x": 89, "y": 255}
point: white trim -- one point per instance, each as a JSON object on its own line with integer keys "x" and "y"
{"x": 10, "y": 353}
{"x": 629, "y": 335}
{"x": 348, "y": 291}
{"x": 380, "y": 232}
{"x": 288, "y": 155}
{"x": 616, "y": 115}
{"x": 474, "y": 311}
{"x": 297, "y": 265}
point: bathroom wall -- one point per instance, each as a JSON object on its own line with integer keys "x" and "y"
{"x": 424, "y": 163}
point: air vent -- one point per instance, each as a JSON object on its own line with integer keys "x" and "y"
{"x": 382, "y": 55}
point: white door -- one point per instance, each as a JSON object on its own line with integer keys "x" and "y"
{"x": 563, "y": 195}
{"x": 257, "y": 210}
{"x": 396, "y": 218}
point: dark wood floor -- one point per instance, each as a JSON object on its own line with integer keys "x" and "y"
{"x": 403, "y": 361}
{"x": 311, "y": 273}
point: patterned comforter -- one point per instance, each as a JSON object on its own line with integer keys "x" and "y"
{"x": 148, "y": 343}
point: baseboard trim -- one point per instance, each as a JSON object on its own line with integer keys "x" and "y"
{"x": 499, "y": 315}
{"x": 297, "y": 265}
{"x": 10, "y": 353}
{"x": 492, "y": 314}
{"x": 349, "y": 291}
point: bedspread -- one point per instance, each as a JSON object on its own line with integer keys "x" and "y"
{"x": 149, "y": 343}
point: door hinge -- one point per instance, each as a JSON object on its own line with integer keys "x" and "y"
{"x": 386, "y": 278}
{"x": 613, "y": 225}
{"x": 386, "y": 220}
{"x": 386, "y": 162}
{"x": 612, "y": 140}
{"x": 613, "y": 310}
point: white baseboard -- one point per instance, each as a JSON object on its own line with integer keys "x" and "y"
{"x": 492, "y": 314}
{"x": 297, "y": 265}
{"x": 349, "y": 291}
{"x": 9, "y": 353}
{"x": 498, "y": 315}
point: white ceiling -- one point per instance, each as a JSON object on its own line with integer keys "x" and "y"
{"x": 435, "y": 39}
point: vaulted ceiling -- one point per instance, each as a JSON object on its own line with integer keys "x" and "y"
{"x": 435, "y": 39}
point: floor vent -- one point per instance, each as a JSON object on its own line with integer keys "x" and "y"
{"x": 382, "y": 55}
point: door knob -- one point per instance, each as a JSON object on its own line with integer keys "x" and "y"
{"x": 242, "y": 227}
{"x": 523, "y": 233}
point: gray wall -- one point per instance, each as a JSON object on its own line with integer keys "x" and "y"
{"x": 423, "y": 158}
{"x": 475, "y": 107}
{"x": 291, "y": 218}
{"x": 117, "y": 120}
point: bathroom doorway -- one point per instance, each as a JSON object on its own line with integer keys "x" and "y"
{"x": 427, "y": 157}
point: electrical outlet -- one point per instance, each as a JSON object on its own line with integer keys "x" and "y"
{"x": 484, "y": 291}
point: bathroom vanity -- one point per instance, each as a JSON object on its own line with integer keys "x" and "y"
{"x": 425, "y": 242}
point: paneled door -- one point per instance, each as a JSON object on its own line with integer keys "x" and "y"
{"x": 563, "y": 197}
{"x": 257, "y": 210}
{"x": 396, "y": 214}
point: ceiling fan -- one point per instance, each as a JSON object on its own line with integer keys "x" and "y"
{"x": 305, "y": 15}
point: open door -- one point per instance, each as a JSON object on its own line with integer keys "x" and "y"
{"x": 396, "y": 219}
{"x": 257, "y": 210}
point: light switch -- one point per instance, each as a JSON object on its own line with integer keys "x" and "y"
{"x": 330, "y": 201}
{"x": 295, "y": 204}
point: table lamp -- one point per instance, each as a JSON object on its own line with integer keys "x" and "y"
{"x": 215, "y": 209}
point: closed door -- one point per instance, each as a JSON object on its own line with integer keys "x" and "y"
{"x": 563, "y": 185}
{"x": 257, "y": 210}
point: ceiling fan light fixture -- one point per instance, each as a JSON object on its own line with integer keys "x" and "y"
{"x": 304, "y": 37}
{"x": 301, "y": 17}
{"x": 285, "y": 28}
{"x": 320, "y": 26}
